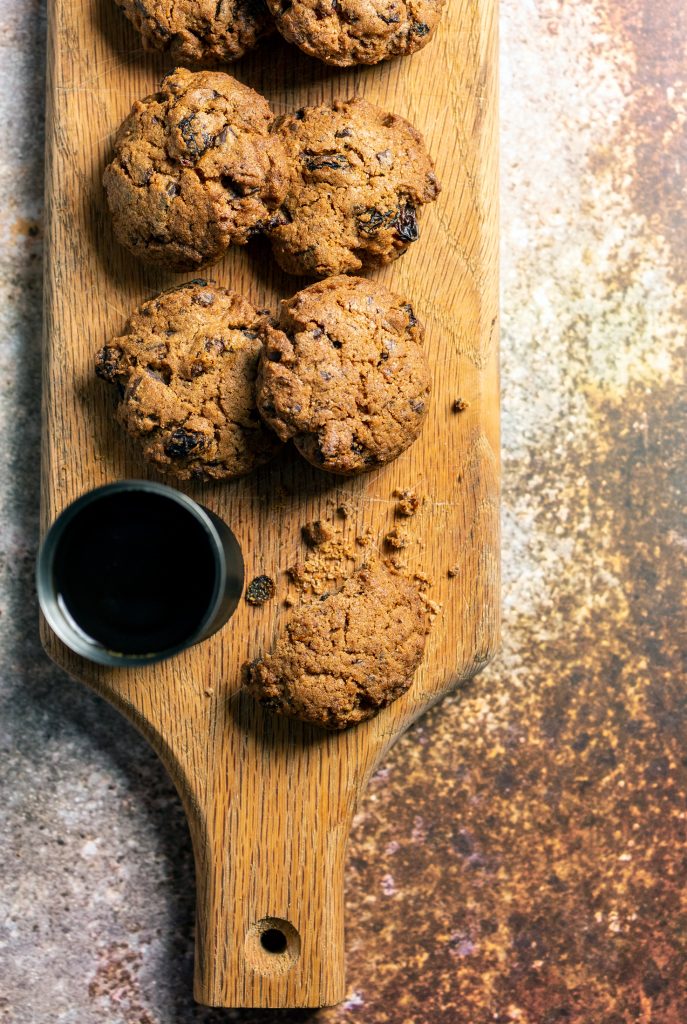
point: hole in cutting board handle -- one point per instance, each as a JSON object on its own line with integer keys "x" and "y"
{"x": 273, "y": 940}
{"x": 272, "y": 946}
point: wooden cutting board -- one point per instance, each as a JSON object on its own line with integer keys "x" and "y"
{"x": 270, "y": 801}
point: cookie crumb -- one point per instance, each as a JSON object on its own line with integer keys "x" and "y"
{"x": 423, "y": 580}
{"x": 345, "y": 509}
{"x": 364, "y": 539}
{"x": 209, "y": 691}
{"x": 453, "y": 571}
{"x": 316, "y": 533}
{"x": 296, "y": 573}
{"x": 259, "y": 590}
{"x": 459, "y": 405}
{"x": 398, "y": 564}
{"x": 433, "y": 607}
{"x": 397, "y": 538}
{"x": 408, "y": 503}
{"x": 331, "y": 561}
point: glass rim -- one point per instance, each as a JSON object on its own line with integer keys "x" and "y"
{"x": 67, "y": 629}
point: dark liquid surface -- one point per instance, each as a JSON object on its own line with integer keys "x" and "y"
{"x": 136, "y": 572}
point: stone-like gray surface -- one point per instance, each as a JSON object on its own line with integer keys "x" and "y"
{"x": 519, "y": 858}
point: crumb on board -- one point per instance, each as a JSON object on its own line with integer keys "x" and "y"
{"x": 345, "y": 509}
{"x": 397, "y": 538}
{"x": 453, "y": 571}
{"x": 459, "y": 405}
{"x": 316, "y": 533}
{"x": 209, "y": 691}
{"x": 408, "y": 502}
{"x": 433, "y": 607}
{"x": 424, "y": 581}
{"x": 365, "y": 538}
{"x": 297, "y": 573}
{"x": 329, "y": 562}
{"x": 259, "y": 590}
{"x": 398, "y": 563}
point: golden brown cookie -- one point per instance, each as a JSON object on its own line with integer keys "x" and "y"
{"x": 195, "y": 170}
{"x": 199, "y": 32}
{"x": 185, "y": 367}
{"x": 344, "y": 375}
{"x": 330, "y": 667}
{"x": 345, "y": 32}
{"x": 358, "y": 178}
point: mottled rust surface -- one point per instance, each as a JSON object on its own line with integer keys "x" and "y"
{"x": 522, "y": 856}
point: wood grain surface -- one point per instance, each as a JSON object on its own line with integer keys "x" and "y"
{"x": 269, "y": 801}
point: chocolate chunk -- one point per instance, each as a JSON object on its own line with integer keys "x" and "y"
{"x": 183, "y": 442}
{"x": 260, "y": 589}
{"x": 406, "y": 223}
{"x": 318, "y": 162}
{"x": 107, "y": 363}
{"x": 370, "y": 221}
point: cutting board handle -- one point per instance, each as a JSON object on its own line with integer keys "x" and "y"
{"x": 269, "y": 859}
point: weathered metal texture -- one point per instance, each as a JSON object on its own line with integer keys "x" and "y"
{"x": 521, "y": 856}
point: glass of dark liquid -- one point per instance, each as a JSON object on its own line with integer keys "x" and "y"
{"x": 135, "y": 572}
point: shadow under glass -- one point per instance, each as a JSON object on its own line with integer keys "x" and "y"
{"x": 135, "y": 572}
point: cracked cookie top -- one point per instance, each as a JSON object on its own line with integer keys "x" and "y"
{"x": 199, "y": 32}
{"x": 195, "y": 169}
{"x": 342, "y": 659}
{"x": 185, "y": 366}
{"x": 344, "y": 375}
{"x": 358, "y": 177}
{"x": 345, "y": 32}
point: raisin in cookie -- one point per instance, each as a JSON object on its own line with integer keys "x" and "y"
{"x": 195, "y": 170}
{"x": 344, "y": 375}
{"x": 342, "y": 659}
{"x": 199, "y": 32}
{"x": 345, "y": 32}
{"x": 358, "y": 178}
{"x": 186, "y": 366}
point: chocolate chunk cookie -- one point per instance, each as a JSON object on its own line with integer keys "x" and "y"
{"x": 344, "y": 374}
{"x": 342, "y": 659}
{"x": 199, "y": 32}
{"x": 195, "y": 170}
{"x": 185, "y": 367}
{"x": 345, "y": 32}
{"x": 359, "y": 176}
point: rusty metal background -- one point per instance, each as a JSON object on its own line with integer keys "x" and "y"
{"x": 521, "y": 857}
